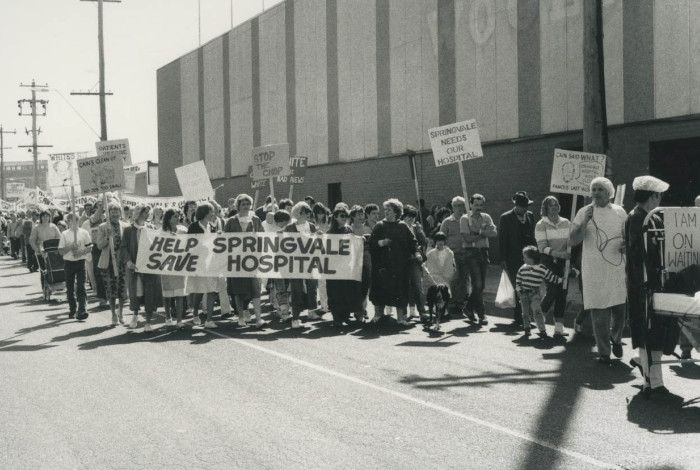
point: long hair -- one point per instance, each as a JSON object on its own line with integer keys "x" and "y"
{"x": 167, "y": 226}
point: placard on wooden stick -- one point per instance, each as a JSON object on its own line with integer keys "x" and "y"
{"x": 194, "y": 181}
{"x": 100, "y": 174}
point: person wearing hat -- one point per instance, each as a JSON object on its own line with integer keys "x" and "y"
{"x": 601, "y": 227}
{"x": 661, "y": 335}
{"x": 516, "y": 230}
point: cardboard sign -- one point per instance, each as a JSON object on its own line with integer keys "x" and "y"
{"x": 35, "y": 196}
{"x": 63, "y": 172}
{"x": 194, "y": 181}
{"x": 572, "y": 172}
{"x": 682, "y": 237}
{"x": 298, "y": 166}
{"x": 130, "y": 178}
{"x": 455, "y": 142}
{"x": 99, "y": 174}
{"x": 256, "y": 184}
{"x": 120, "y": 148}
{"x": 271, "y": 161}
{"x": 15, "y": 190}
{"x": 264, "y": 254}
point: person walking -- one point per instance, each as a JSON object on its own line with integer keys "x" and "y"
{"x": 516, "y": 230}
{"x": 74, "y": 246}
{"x": 601, "y": 227}
{"x": 451, "y": 228}
{"x": 108, "y": 239}
{"x": 173, "y": 287}
{"x": 199, "y": 286}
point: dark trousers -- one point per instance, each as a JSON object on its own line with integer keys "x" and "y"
{"x": 14, "y": 247}
{"x": 512, "y": 273}
{"x": 75, "y": 274}
{"x": 23, "y": 248}
{"x": 476, "y": 262}
{"x": 31, "y": 258}
{"x": 100, "y": 288}
{"x": 555, "y": 293}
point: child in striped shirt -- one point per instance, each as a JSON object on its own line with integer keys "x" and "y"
{"x": 530, "y": 277}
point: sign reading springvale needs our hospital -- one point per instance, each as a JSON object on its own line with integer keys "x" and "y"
{"x": 270, "y": 161}
{"x": 298, "y": 166}
{"x": 572, "y": 172}
{"x": 682, "y": 236}
{"x": 194, "y": 181}
{"x": 120, "y": 148}
{"x": 99, "y": 174}
{"x": 455, "y": 142}
{"x": 269, "y": 255}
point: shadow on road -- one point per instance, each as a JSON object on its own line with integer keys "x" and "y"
{"x": 664, "y": 415}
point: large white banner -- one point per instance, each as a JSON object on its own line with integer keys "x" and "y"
{"x": 63, "y": 172}
{"x": 455, "y": 142}
{"x": 177, "y": 202}
{"x": 682, "y": 236}
{"x": 194, "y": 181}
{"x": 264, "y": 255}
{"x": 572, "y": 172}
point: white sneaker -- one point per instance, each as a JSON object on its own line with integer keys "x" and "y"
{"x": 313, "y": 316}
{"x": 209, "y": 324}
{"x": 147, "y": 328}
{"x": 196, "y": 320}
{"x": 134, "y": 322}
{"x": 296, "y": 323}
{"x": 241, "y": 321}
{"x": 260, "y": 323}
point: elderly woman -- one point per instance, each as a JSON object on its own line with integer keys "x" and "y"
{"x": 552, "y": 235}
{"x": 393, "y": 247}
{"x": 200, "y": 286}
{"x": 415, "y": 290}
{"x": 344, "y": 297}
{"x": 245, "y": 289}
{"x": 108, "y": 239}
{"x": 144, "y": 289}
{"x": 601, "y": 227}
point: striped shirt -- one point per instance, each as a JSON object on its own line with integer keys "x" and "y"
{"x": 530, "y": 277}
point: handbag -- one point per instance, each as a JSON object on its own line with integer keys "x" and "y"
{"x": 505, "y": 296}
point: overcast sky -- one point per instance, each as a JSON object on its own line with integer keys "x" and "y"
{"x": 55, "y": 42}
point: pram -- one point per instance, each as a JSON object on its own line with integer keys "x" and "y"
{"x": 53, "y": 277}
{"x": 681, "y": 306}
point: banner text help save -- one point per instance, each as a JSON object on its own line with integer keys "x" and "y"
{"x": 278, "y": 256}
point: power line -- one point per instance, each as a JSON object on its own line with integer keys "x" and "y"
{"x": 77, "y": 112}
{"x": 35, "y": 131}
{"x": 2, "y": 160}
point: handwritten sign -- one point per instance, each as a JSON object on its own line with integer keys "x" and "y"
{"x": 298, "y": 166}
{"x": 682, "y": 235}
{"x": 194, "y": 181}
{"x": 63, "y": 172}
{"x": 271, "y": 161}
{"x": 455, "y": 142}
{"x": 269, "y": 255}
{"x": 99, "y": 174}
{"x": 120, "y": 148}
{"x": 572, "y": 172}
{"x": 256, "y": 184}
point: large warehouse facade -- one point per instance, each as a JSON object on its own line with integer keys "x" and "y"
{"x": 354, "y": 84}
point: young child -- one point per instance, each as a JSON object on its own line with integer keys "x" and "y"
{"x": 439, "y": 267}
{"x": 530, "y": 277}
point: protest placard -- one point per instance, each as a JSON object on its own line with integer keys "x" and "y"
{"x": 177, "y": 202}
{"x": 264, "y": 255}
{"x": 63, "y": 172}
{"x": 194, "y": 181}
{"x": 572, "y": 172}
{"x": 120, "y": 148}
{"x": 14, "y": 190}
{"x": 255, "y": 185}
{"x": 455, "y": 142}
{"x": 682, "y": 237}
{"x": 130, "y": 178}
{"x": 35, "y": 196}
{"x": 271, "y": 161}
{"x": 297, "y": 167}
{"x": 100, "y": 174}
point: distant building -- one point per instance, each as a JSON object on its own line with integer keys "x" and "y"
{"x": 23, "y": 172}
{"x": 146, "y": 179}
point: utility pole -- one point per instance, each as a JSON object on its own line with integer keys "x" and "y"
{"x": 2, "y": 160}
{"x": 35, "y": 131}
{"x": 101, "y": 53}
{"x": 595, "y": 120}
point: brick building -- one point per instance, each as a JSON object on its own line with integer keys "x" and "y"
{"x": 23, "y": 172}
{"x": 354, "y": 84}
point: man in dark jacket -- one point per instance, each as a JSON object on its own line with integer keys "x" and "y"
{"x": 516, "y": 230}
{"x": 660, "y": 336}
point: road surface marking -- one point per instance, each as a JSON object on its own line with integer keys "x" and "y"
{"x": 424, "y": 403}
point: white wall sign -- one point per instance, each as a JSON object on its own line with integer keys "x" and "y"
{"x": 572, "y": 172}
{"x": 455, "y": 142}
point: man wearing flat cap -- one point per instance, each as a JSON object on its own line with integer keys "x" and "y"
{"x": 661, "y": 334}
{"x": 516, "y": 230}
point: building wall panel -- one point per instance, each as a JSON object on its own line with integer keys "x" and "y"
{"x": 671, "y": 58}
{"x": 189, "y": 100}
{"x": 506, "y": 36}
{"x": 241, "y": 99}
{"x": 273, "y": 88}
{"x": 553, "y": 81}
{"x": 214, "y": 107}
{"x": 429, "y": 68}
{"x": 612, "y": 47}
{"x": 574, "y": 64}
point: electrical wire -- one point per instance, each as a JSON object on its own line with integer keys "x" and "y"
{"x": 76, "y": 112}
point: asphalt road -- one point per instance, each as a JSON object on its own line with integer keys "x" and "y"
{"x": 85, "y": 395}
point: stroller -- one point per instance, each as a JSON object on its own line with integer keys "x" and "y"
{"x": 53, "y": 278}
{"x": 678, "y": 296}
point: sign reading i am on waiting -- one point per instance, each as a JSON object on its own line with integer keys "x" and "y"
{"x": 455, "y": 143}
{"x": 270, "y": 161}
{"x": 682, "y": 237}
{"x": 572, "y": 172}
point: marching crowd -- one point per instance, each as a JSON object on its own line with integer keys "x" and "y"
{"x": 407, "y": 251}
